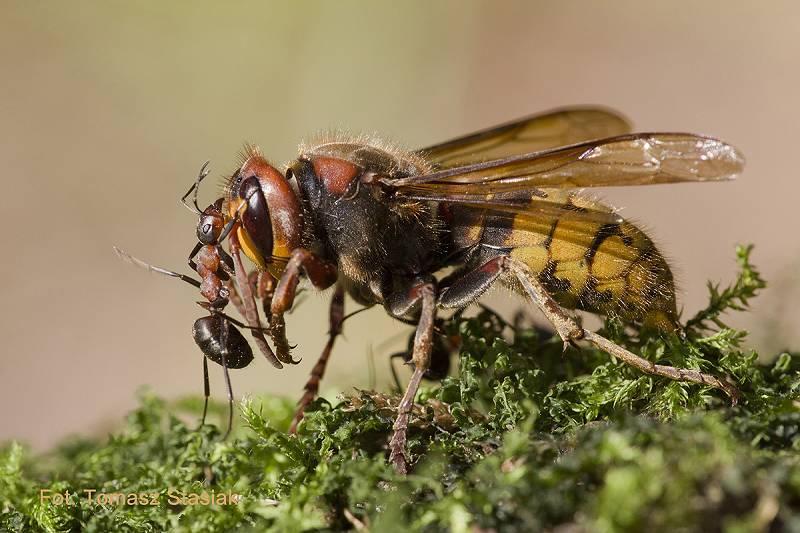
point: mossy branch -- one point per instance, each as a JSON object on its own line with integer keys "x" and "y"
{"x": 735, "y": 297}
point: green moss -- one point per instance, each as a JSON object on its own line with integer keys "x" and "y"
{"x": 523, "y": 438}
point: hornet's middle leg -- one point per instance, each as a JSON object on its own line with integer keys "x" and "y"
{"x": 421, "y": 294}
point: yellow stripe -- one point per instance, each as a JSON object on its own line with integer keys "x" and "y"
{"x": 250, "y": 249}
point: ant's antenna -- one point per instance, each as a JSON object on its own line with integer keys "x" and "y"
{"x": 195, "y": 188}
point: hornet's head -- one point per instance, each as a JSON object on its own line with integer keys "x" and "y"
{"x": 269, "y": 211}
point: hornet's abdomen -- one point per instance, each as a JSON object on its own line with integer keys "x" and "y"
{"x": 603, "y": 266}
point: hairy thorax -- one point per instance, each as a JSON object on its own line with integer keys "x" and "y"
{"x": 374, "y": 242}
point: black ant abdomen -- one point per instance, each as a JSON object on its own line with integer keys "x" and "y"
{"x": 208, "y": 334}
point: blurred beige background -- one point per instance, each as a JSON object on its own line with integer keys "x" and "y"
{"x": 108, "y": 109}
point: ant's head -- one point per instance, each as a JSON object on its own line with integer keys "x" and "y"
{"x": 211, "y": 223}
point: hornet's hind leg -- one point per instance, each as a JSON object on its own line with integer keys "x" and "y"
{"x": 312, "y": 386}
{"x": 570, "y": 331}
{"x": 466, "y": 286}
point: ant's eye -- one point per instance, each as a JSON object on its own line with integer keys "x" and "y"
{"x": 206, "y": 233}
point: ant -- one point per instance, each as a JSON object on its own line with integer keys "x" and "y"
{"x": 216, "y": 335}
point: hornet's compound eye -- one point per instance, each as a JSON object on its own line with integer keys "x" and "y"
{"x": 256, "y": 218}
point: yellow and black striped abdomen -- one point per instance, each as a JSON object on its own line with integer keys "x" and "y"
{"x": 589, "y": 261}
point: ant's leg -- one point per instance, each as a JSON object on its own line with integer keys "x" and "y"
{"x": 233, "y": 222}
{"x": 192, "y": 254}
{"x": 569, "y": 331}
{"x": 249, "y": 304}
{"x": 226, "y": 261}
{"x": 224, "y": 344}
{"x": 228, "y": 228}
{"x": 422, "y": 293}
{"x": 312, "y": 386}
{"x": 238, "y": 323}
{"x": 152, "y": 268}
{"x": 406, "y": 361}
{"x": 234, "y": 297}
{"x": 322, "y": 275}
{"x": 206, "y": 391}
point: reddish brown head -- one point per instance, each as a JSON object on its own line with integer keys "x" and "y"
{"x": 271, "y": 219}
{"x": 211, "y": 223}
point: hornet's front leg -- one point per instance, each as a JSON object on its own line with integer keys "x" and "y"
{"x": 322, "y": 274}
{"x": 312, "y": 386}
{"x": 420, "y": 294}
{"x": 264, "y": 286}
{"x": 248, "y": 303}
